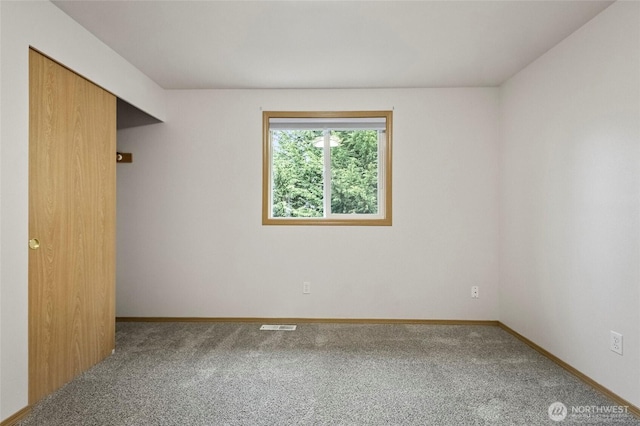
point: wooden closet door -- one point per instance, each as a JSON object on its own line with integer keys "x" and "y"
{"x": 72, "y": 181}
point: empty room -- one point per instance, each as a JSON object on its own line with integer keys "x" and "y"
{"x": 319, "y": 212}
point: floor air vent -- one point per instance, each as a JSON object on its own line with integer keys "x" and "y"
{"x": 278, "y": 327}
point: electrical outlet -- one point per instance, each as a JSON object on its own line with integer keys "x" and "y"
{"x": 616, "y": 342}
{"x": 306, "y": 287}
{"x": 475, "y": 292}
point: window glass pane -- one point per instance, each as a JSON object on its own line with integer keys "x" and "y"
{"x": 354, "y": 172}
{"x": 297, "y": 189}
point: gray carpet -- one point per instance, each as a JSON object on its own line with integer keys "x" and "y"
{"x": 193, "y": 374}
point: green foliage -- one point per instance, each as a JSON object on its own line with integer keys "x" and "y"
{"x": 354, "y": 173}
{"x": 298, "y": 173}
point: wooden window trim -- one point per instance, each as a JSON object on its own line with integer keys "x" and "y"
{"x": 386, "y": 220}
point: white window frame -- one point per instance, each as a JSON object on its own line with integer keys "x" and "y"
{"x": 330, "y": 120}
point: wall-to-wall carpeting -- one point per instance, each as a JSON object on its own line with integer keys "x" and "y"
{"x": 321, "y": 374}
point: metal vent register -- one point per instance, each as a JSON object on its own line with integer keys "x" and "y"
{"x": 279, "y": 327}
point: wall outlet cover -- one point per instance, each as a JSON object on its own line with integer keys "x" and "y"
{"x": 616, "y": 342}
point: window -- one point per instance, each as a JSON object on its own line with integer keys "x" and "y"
{"x": 326, "y": 168}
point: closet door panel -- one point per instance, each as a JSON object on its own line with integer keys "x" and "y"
{"x": 72, "y": 134}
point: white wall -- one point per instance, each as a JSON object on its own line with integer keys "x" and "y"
{"x": 43, "y": 26}
{"x": 570, "y": 199}
{"x": 191, "y": 242}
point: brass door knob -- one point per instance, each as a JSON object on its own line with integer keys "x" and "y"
{"x": 34, "y": 244}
